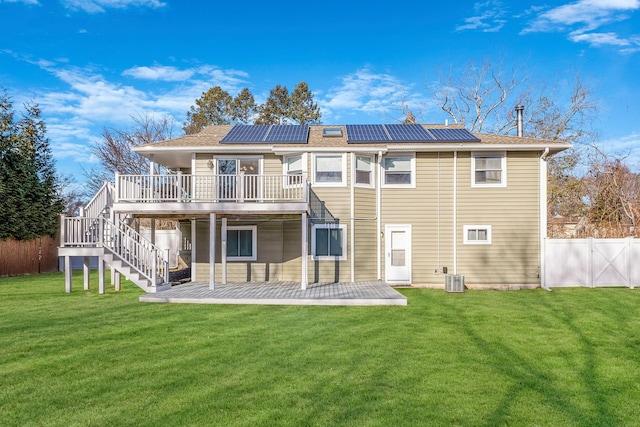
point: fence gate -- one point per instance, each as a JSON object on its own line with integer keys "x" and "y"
{"x": 591, "y": 262}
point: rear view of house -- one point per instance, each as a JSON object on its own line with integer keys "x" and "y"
{"x": 406, "y": 204}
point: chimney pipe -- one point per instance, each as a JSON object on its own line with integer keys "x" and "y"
{"x": 519, "y": 124}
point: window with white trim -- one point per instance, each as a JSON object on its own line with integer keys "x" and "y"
{"x": 329, "y": 170}
{"x": 364, "y": 171}
{"x": 329, "y": 242}
{"x": 488, "y": 170}
{"x": 477, "y": 234}
{"x": 242, "y": 243}
{"x": 294, "y": 166}
{"x": 399, "y": 170}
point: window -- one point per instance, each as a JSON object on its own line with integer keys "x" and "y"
{"x": 328, "y": 242}
{"x": 329, "y": 170}
{"x": 477, "y": 234}
{"x": 399, "y": 171}
{"x": 242, "y": 243}
{"x": 331, "y": 132}
{"x": 363, "y": 171}
{"x": 489, "y": 170}
{"x": 294, "y": 165}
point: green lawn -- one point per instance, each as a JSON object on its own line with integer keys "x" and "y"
{"x": 567, "y": 357}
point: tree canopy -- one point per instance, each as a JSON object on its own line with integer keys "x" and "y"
{"x": 217, "y": 107}
{"x": 114, "y": 153}
{"x": 29, "y": 188}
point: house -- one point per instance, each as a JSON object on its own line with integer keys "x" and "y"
{"x": 403, "y": 203}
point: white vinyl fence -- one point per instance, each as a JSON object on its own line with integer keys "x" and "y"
{"x": 591, "y": 262}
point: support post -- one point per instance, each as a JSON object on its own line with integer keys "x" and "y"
{"x": 101, "y": 274}
{"x": 223, "y": 250}
{"x": 304, "y": 252}
{"x": 212, "y": 251}
{"x": 153, "y": 231}
{"x": 193, "y": 250}
{"x": 86, "y": 268}
{"x": 67, "y": 273}
{"x": 118, "y": 279}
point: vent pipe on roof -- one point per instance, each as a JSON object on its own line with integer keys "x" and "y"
{"x": 519, "y": 124}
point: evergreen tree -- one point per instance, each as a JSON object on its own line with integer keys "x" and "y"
{"x": 212, "y": 108}
{"x": 28, "y": 183}
{"x": 243, "y": 107}
{"x": 303, "y": 110}
{"x": 276, "y": 109}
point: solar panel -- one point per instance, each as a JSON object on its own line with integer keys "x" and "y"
{"x": 246, "y": 133}
{"x": 461, "y": 135}
{"x": 408, "y": 133}
{"x": 367, "y": 133}
{"x": 288, "y": 133}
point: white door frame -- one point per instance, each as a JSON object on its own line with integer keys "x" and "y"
{"x": 388, "y": 269}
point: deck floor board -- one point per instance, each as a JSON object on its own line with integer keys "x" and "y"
{"x": 281, "y": 293}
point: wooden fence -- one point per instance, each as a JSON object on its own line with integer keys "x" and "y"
{"x": 28, "y": 257}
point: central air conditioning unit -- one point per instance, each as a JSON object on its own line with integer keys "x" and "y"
{"x": 454, "y": 283}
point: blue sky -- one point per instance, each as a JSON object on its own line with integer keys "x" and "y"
{"x": 92, "y": 64}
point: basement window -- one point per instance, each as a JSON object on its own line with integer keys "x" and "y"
{"x": 477, "y": 234}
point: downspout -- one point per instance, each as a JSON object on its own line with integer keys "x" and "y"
{"x": 455, "y": 212}
{"x": 353, "y": 223}
{"x": 543, "y": 215}
{"x": 378, "y": 215}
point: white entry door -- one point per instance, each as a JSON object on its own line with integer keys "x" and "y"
{"x": 397, "y": 254}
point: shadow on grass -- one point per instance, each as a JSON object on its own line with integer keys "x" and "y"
{"x": 527, "y": 377}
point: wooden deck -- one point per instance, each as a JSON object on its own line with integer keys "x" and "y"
{"x": 282, "y": 293}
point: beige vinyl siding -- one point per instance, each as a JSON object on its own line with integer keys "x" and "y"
{"x": 365, "y": 234}
{"x": 272, "y": 164}
{"x": 268, "y": 265}
{"x": 513, "y": 213}
{"x": 428, "y": 208}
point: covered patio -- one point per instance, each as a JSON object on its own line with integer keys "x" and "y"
{"x": 281, "y": 293}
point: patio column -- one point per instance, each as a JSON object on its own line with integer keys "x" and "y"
{"x": 223, "y": 250}
{"x": 212, "y": 250}
{"x": 153, "y": 231}
{"x": 193, "y": 250}
{"x": 304, "y": 252}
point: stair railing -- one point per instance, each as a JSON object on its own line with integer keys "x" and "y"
{"x": 118, "y": 238}
{"x": 134, "y": 249}
{"x": 99, "y": 204}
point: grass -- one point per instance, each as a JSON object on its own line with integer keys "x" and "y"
{"x": 568, "y": 357}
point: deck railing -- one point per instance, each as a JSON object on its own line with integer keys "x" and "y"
{"x": 100, "y": 202}
{"x": 118, "y": 238}
{"x": 211, "y": 188}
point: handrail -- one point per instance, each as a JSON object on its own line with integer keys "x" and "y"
{"x": 211, "y": 188}
{"x": 101, "y": 200}
{"x": 118, "y": 238}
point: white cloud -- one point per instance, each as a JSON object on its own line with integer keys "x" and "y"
{"x": 368, "y": 92}
{"x": 20, "y": 1}
{"x": 99, "y": 6}
{"x": 627, "y": 147}
{"x": 158, "y": 72}
{"x": 489, "y": 18}
{"x": 582, "y": 18}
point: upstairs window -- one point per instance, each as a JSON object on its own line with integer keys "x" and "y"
{"x": 329, "y": 170}
{"x": 399, "y": 170}
{"x": 489, "y": 170}
{"x": 364, "y": 171}
{"x": 294, "y": 166}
